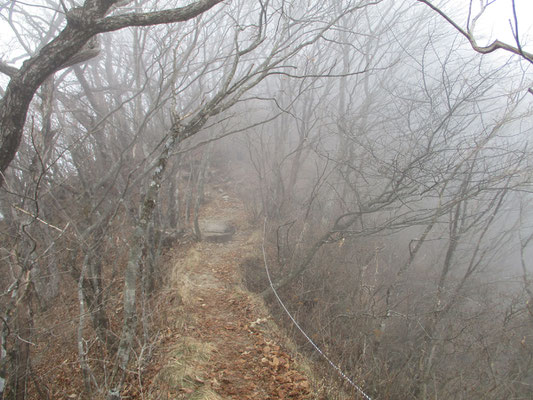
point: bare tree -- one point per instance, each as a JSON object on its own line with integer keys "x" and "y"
{"x": 83, "y": 23}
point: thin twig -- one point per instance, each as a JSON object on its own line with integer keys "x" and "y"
{"x": 39, "y": 219}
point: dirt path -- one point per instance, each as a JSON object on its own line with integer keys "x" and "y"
{"x": 221, "y": 343}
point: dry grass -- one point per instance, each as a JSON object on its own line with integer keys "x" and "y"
{"x": 183, "y": 372}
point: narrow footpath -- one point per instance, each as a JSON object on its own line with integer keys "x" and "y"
{"x": 220, "y": 342}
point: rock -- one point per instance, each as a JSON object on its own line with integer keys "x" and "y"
{"x": 216, "y": 230}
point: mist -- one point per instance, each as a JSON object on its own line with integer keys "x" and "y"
{"x": 383, "y": 151}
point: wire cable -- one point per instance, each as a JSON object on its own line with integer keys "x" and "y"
{"x": 339, "y": 371}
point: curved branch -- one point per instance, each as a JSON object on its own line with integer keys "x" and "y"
{"x": 7, "y": 69}
{"x": 495, "y": 45}
{"x": 180, "y": 14}
{"x": 83, "y": 23}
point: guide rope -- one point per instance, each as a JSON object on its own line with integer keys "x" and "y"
{"x": 339, "y": 371}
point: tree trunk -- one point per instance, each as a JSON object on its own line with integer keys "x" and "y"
{"x": 204, "y": 166}
{"x": 134, "y": 264}
{"x": 23, "y": 326}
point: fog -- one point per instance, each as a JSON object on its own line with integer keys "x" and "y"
{"x": 389, "y": 158}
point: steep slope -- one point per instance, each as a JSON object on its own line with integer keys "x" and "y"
{"x": 220, "y": 342}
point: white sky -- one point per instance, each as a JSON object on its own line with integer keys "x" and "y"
{"x": 494, "y": 24}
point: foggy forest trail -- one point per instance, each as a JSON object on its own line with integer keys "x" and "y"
{"x": 220, "y": 342}
{"x": 388, "y": 142}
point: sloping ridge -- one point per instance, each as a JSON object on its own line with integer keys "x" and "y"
{"x": 220, "y": 342}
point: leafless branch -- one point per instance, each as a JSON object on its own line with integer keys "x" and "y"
{"x": 180, "y": 14}
{"x": 7, "y": 69}
{"x": 495, "y": 45}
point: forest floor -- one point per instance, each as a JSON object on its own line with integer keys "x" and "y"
{"x": 219, "y": 341}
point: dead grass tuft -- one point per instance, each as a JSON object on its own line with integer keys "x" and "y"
{"x": 181, "y": 278}
{"x": 204, "y": 393}
{"x": 184, "y": 372}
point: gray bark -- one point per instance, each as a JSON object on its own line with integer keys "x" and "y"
{"x": 83, "y": 23}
